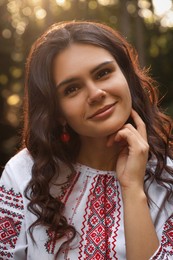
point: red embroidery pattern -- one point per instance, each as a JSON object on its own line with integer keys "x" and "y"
{"x": 68, "y": 189}
{"x": 99, "y": 219}
{"x": 7, "y": 230}
{"x": 167, "y": 237}
{"x": 50, "y": 244}
{"x": 10, "y": 223}
{"x": 160, "y": 254}
{"x": 166, "y": 247}
{"x": 117, "y": 223}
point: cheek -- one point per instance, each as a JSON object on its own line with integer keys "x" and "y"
{"x": 128, "y": 103}
{"x": 126, "y": 91}
{"x": 73, "y": 108}
{"x": 128, "y": 96}
{"x": 71, "y": 112}
{"x": 122, "y": 90}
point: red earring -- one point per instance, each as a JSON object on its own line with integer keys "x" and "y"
{"x": 65, "y": 137}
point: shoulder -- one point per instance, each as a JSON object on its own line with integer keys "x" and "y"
{"x": 18, "y": 169}
{"x": 152, "y": 163}
{"x": 154, "y": 182}
{"x": 21, "y": 161}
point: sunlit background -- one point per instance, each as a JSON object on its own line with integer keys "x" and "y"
{"x": 147, "y": 24}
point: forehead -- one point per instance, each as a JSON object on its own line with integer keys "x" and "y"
{"x": 77, "y": 57}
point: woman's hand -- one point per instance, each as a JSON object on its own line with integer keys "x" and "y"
{"x": 133, "y": 153}
{"x": 130, "y": 169}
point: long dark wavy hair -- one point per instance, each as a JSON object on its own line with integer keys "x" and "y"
{"x": 41, "y": 135}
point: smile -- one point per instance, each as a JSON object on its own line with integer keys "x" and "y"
{"x": 103, "y": 112}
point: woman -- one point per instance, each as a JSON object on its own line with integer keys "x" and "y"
{"x": 95, "y": 178}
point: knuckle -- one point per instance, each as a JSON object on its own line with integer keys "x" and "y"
{"x": 128, "y": 125}
{"x": 145, "y": 149}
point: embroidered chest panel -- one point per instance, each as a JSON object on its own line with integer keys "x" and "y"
{"x": 102, "y": 215}
{"x": 100, "y": 218}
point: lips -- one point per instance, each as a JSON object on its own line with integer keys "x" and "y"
{"x": 101, "y": 110}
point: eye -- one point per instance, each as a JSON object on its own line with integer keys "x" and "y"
{"x": 72, "y": 89}
{"x": 103, "y": 73}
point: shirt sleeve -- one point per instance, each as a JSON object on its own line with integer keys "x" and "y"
{"x": 13, "y": 243}
{"x": 165, "y": 250}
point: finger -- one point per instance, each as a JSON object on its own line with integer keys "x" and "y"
{"x": 113, "y": 138}
{"x": 139, "y": 131}
{"x": 128, "y": 138}
{"x": 134, "y": 130}
{"x": 140, "y": 141}
{"x": 140, "y": 125}
{"x": 135, "y": 144}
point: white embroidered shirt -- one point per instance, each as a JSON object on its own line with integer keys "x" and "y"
{"x": 93, "y": 204}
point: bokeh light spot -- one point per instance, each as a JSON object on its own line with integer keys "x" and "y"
{"x": 106, "y": 2}
{"x": 131, "y": 8}
{"x": 144, "y": 4}
{"x": 20, "y": 28}
{"x": 16, "y": 72}
{"x": 162, "y": 41}
{"x": 146, "y": 13}
{"x": 6, "y": 33}
{"x": 40, "y": 13}
{"x": 167, "y": 20}
{"x": 92, "y": 5}
{"x": 13, "y": 100}
{"x": 67, "y": 6}
{"x": 161, "y": 7}
{"x": 16, "y": 87}
{"x": 27, "y": 11}
{"x": 17, "y": 56}
{"x": 60, "y": 2}
{"x": 13, "y": 7}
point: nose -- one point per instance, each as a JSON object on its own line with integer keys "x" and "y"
{"x": 95, "y": 94}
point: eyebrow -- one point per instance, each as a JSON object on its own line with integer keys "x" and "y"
{"x": 70, "y": 80}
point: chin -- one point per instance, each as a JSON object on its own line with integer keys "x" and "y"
{"x": 107, "y": 132}
{"x": 117, "y": 128}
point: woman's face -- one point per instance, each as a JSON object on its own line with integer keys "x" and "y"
{"x": 92, "y": 91}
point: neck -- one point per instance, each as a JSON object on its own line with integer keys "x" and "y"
{"x": 94, "y": 153}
